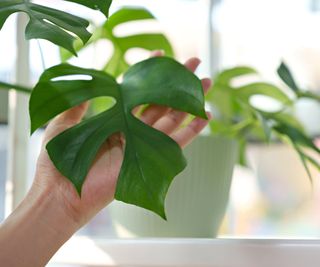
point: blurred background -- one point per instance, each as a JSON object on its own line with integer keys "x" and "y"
{"x": 273, "y": 197}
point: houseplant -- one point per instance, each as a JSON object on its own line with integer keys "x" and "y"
{"x": 186, "y": 187}
{"x": 274, "y": 180}
{"x": 146, "y": 172}
{"x": 237, "y": 119}
{"x": 53, "y": 79}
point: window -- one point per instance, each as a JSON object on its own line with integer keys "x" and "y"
{"x": 275, "y": 199}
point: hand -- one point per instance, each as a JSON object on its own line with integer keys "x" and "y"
{"x": 99, "y": 186}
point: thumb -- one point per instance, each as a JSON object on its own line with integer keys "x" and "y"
{"x": 65, "y": 120}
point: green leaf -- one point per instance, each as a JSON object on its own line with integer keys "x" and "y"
{"x": 286, "y": 76}
{"x": 151, "y": 159}
{"x": 118, "y": 64}
{"x": 265, "y": 124}
{"x": 226, "y": 76}
{"x": 246, "y": 92}
{"x": 312, "y": 161}
{"x": 296, "y": 136}
{"x": 310, "y": 95}
{"x": 242, "y": 143}
{"x": 51, "y": 24}
{"x": 304, "y": 161}
{"x": 285, "y": 118}
{"x": 102, "y": 5}
{"x": 222, "y": 100}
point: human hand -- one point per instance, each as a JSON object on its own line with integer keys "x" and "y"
{"x": 99, "y": 187}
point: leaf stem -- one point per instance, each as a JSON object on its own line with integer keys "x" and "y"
{"x": 311, "y": 95}
{"x": 19, "y": 88}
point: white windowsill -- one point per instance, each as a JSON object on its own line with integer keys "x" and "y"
{"x": 191, "y": 252}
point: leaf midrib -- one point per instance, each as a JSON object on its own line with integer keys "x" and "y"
{"x": 127, "y": 131}
{"x": 92, "y": 134}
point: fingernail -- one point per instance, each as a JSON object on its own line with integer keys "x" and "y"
{"x": 197, "y": 59}
{"x": 206, "y": 83}
{"x": 157, "y": 52}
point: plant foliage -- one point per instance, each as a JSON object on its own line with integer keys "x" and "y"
{"x": 118, "y": 64}
{"x": 151, "y": 158}
{"x": 286, "y": 76}
{"x": 51, "y": 24}
{"x": 238, "y": 117}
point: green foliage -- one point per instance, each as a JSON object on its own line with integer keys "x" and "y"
{"x": 151, "y": 159}
{"x": 102, "y": 5}
{"x": 118, "y": 64}
{"x": 51, "y": 24}
{"x": 232, "y": 103}
{"x": 286, "y": 76}
{"x": 237, "y": 117}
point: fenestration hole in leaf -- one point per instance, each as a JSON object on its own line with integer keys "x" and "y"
{"x": 137, "y": 111}
{"x": 134, "y": 55}
{"x": 69, "y": 32}
{"x": 145, "y": 26}
{"x": 238, "y": 82}
{"x": 265, "y": 103}
{"x": 72, "y": 77}
{"x": 101, "y": 104}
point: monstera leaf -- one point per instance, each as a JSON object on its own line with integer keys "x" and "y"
{"x": 51, "y": 24}
{"x": 102, "y": 5}
{"x": 118, "y": 64}
{"x": 151, "y": 159}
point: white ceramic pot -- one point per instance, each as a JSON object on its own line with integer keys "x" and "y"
{"x": 196, "y": 201}
{"x": 281, "y": 176}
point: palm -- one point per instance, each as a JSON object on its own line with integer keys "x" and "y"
{"x": 99, "y": 187}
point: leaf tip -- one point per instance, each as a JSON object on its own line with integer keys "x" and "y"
{"x": 204, "y": 115}
{"x": 162, "y": 214}
{"x": 79, "y": 190}
{"x": 73, "y": 52}
{"x": 33, "y": 128}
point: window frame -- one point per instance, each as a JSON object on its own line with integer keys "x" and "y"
{"x": 190, "y": 252}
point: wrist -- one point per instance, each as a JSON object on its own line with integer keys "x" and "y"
{"x": 54, "y": 210}
{"x": 34, "y": 232}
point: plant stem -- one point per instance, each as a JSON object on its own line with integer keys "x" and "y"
{"x": 311, "y": 95}
{"x": 19, "y": 88}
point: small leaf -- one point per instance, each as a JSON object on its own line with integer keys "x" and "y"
{"x": 310, "y": 95}
{"x": 296, "y": 136}
{"x": 304, "y": 162}
{"x": 243, "y": 152}
{"x": 226, "y": 76}
{"x": 286, "y": 118}
{"x": 265, "y": 89}
{"x": 102, "y": 5}
{"x": 267, "y": 129}
{"x": 305, "y": 159}
{"x": 313, "y": 162}
{"x": 51, "y": 24}
{"x": 286, "y": 76}
{"x": 118, "y": 64}
{"x": 151, "y": 159}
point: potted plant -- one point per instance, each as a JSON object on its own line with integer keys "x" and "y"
{"x": 275, "y": 179}
{"x": 73, "y": 151}
{"x": 198, "y": 198}
{"x": 150, "y": 163}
